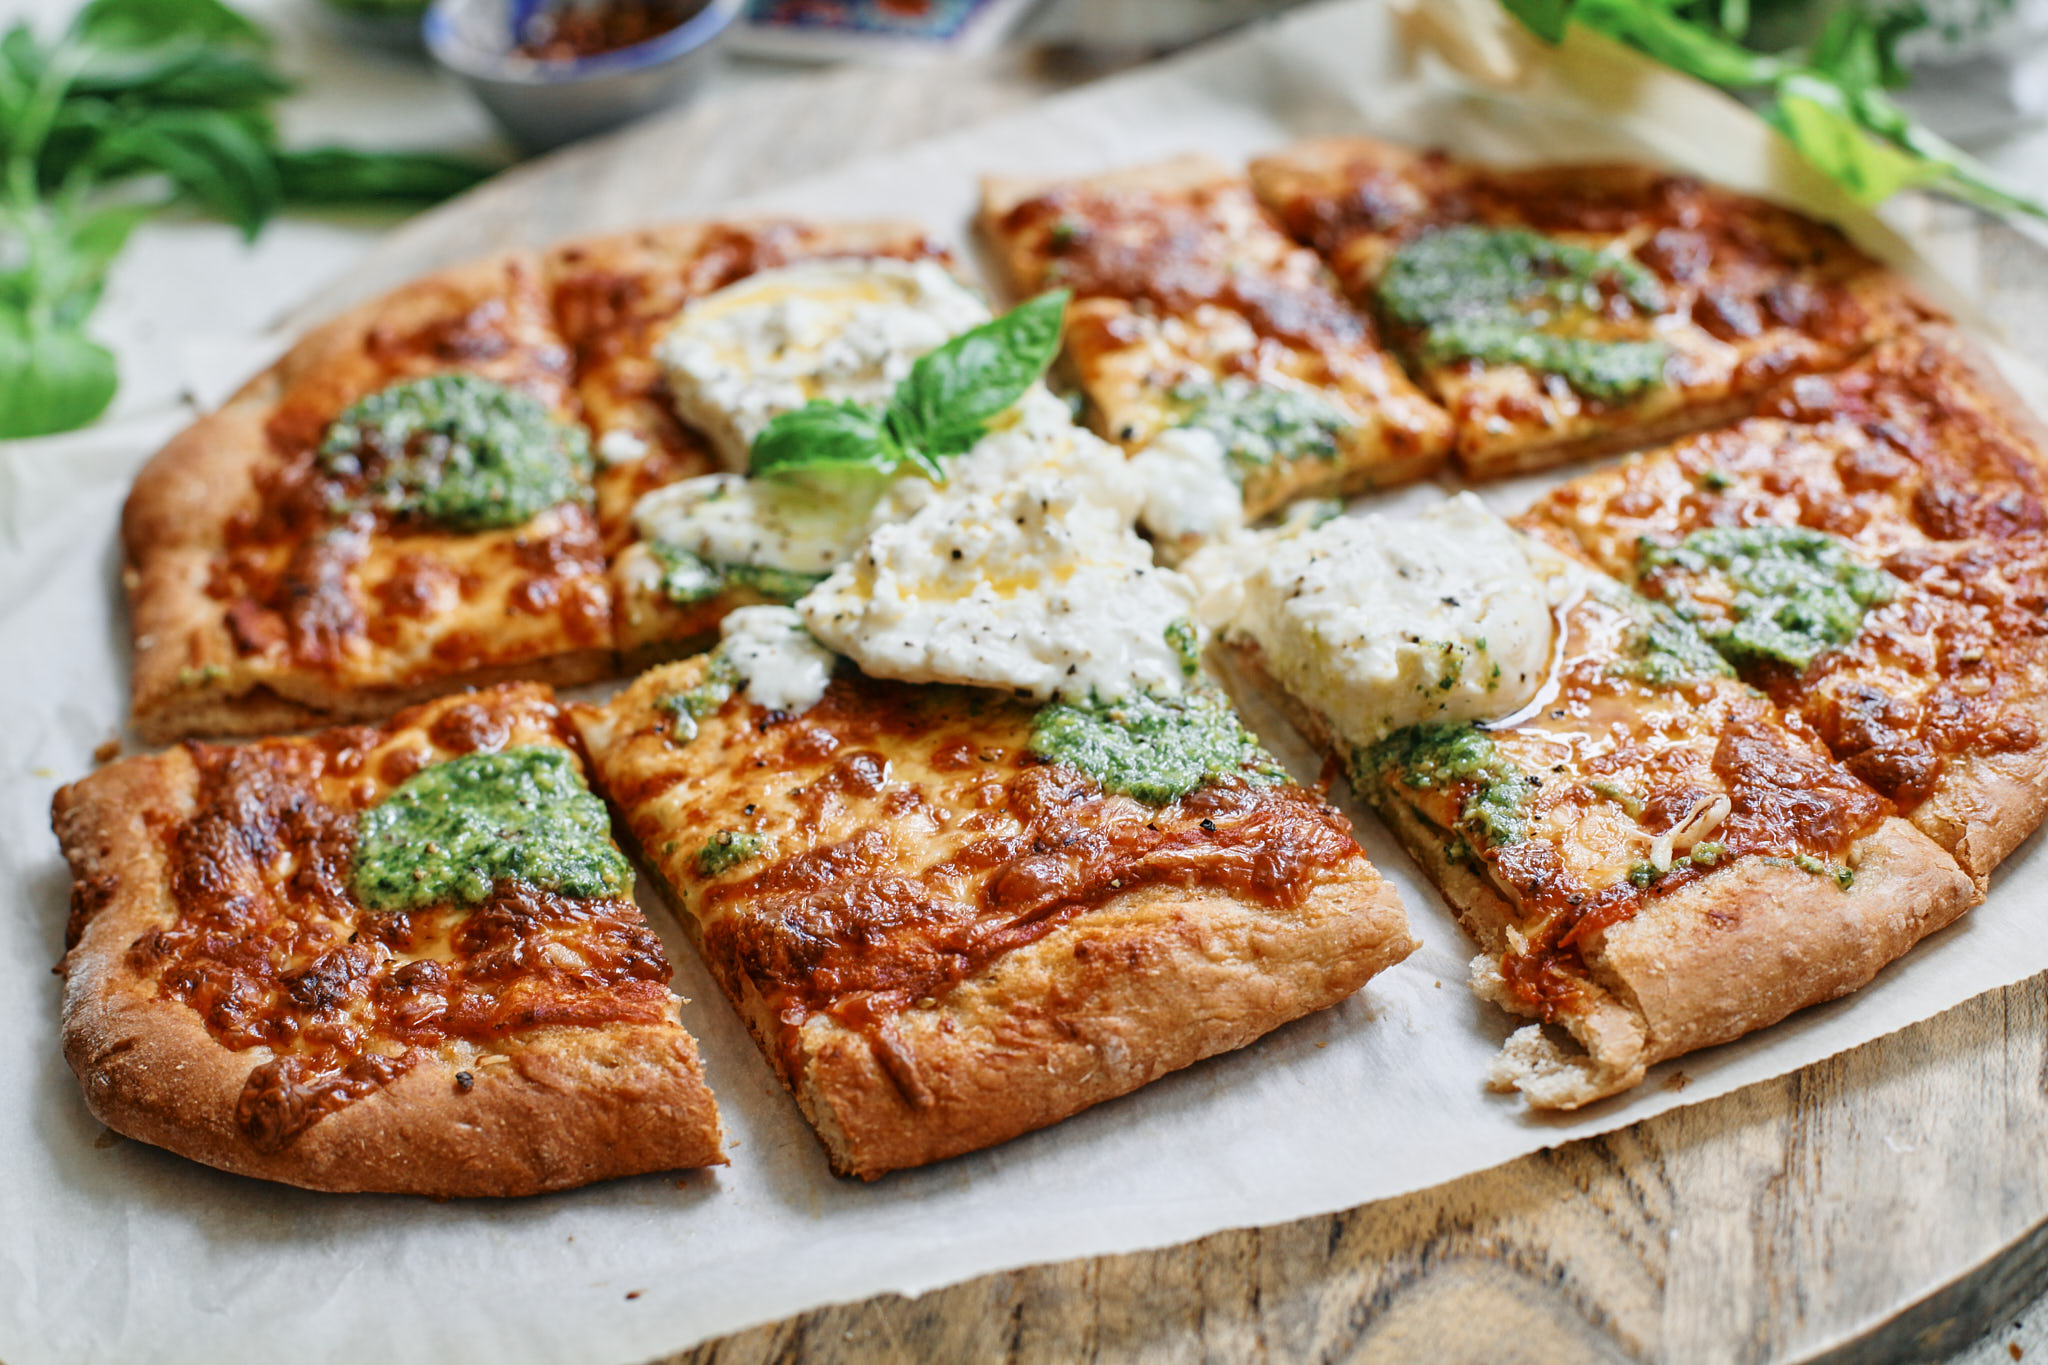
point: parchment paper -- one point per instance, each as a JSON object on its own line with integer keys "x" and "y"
{"x": 110, "y": 1250}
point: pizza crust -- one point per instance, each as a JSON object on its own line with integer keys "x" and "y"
{"x": 1510, "y": 420}
{"x": 1146, "y": 984}
{"x": 1398, "y": 435}
{"x": 1719, "y": 958}
{"x": 1142, "y": 983}
{"x": 553, "y": 1108}
{"x": 188, "y": 675}
{"x": 1943, "y": 400}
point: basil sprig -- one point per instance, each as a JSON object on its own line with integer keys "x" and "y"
{"x": 941, "y": 407}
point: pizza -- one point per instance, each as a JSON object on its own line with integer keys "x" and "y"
{"x": 1201, "y": 334}
{"x": 399, "y": 507}
{"x": 1561, "y": 311}
{"x": 284, "y": 569}
{"x": 954, "y": 808}
{"x": 1872, "y": 549}
{"x": 1652, "y": 857}
{"x": 614, "y": 297}
{"x": 400, "y": 958}
{"x": 940, "y": 939}
{"x": 772, "y": 317}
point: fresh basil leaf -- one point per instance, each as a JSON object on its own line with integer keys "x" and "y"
{"x": 51, "y": 379}
{"x": 1828, "y": 98}
{"x": 144, "y": 23}
{"x": 72, "y": 267}
{"x": 341, "y": 175}
{"x": 220, "y": 160}
{"x": 821, "y": 435}
{"x": 1692, "y": 48}
{"x": 943, "y": 406}
{"x": 21, "y": 67}
{"x": 1875, "y": 149}
{"x": 1815, "y": 117}
{"x": 182, "y": 75}
{"x": 1546, "y": 18}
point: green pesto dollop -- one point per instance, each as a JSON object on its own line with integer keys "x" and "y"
{"x": 728, "y": 849}
{"x": 1186, "y": 643}
{"x": 1509, "y": 296}
{"x": 709, "y": 693}
{"x": 458, "y": 451}
{"x": 1661, "y": 648}
{"x": 1261, "y": 424}
{"x": 449, "y": 834}
{"x": 1766, "y": 593}
{"x": 1152, "y": 747}
{"x": 688, "y": 578}
{"x": 1430, "y": 757}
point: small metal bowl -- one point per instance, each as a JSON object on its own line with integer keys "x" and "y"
{"x": 543, "y": 104}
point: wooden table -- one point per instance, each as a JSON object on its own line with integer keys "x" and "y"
{"x": 1889, "y": 1204}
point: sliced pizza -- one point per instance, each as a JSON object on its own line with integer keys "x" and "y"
{"x": 1205, "y": 338}
{"x": 1652, "y": 857}
{"x": 690, "y": 339}
{"x": 399, "y": 507}
{"x": 950, "y": 915}
{"x": 1563, "y": 310}
{"x": 615, "y": 299}
{"x": 400, "y": 959}
{"x": 1872, "y": 550}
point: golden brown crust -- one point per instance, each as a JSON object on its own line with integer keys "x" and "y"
{"x": 1754, "y": 291}
{"x": 1118, "y": 992}
{"x": 1185, "y": 240}
{"x": 613, "y": 297}
{"x": 547, "y": 1108}
{"x": 1722, "y": 956}
{"x": 214, "y": 650}
{"x": 209, "y": 557}
{"x": 1923, "y": 458}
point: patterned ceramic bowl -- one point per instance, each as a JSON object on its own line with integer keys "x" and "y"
{"x": 545, "y": 102}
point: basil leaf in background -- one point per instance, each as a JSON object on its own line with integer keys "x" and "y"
{"x": 135, "y": 93}
{"x": 1827, "y": 96}
{"x": 1810, "y": 113}
{"x": 1545, "y": 18}
{"x": 943, "y": 406}
{"x": 140, "y": 23}
{"x": 201, "y": 76}
{"x": 341, "y": 175}
{"x": 1677, "y": 42}
{"x": 821, "y": 435}
{"x": 51, "y": 379}
{"x": 217, "y": 158}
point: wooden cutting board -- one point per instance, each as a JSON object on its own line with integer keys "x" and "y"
{"x": 1889, "y": 1204}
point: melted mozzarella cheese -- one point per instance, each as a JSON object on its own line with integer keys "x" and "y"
{"x": 1188, "y": 488}
{"x": 846, "y": 330}
{"x": 620, "y": 446}
{"x": 804, "y": 525}
{"x": 813, "y": 523}
{"x": 784, "y": 667}
{"x": 1035, "y": 585}
{"x": 1380, "y": 623}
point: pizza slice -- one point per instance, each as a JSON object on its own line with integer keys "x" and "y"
{"x": 1871, "y": 549}
{"x": 967, "y": 838}
{"x": 1210, "y": 343}
{"x": 399, "y": 507}
{"x": 400, "y": 959}
{"x": 1652, "y": 857}
{"x": 615, "y": 298}
{"x": 689, "y": 340}
{"x": 1561, "y": 311}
